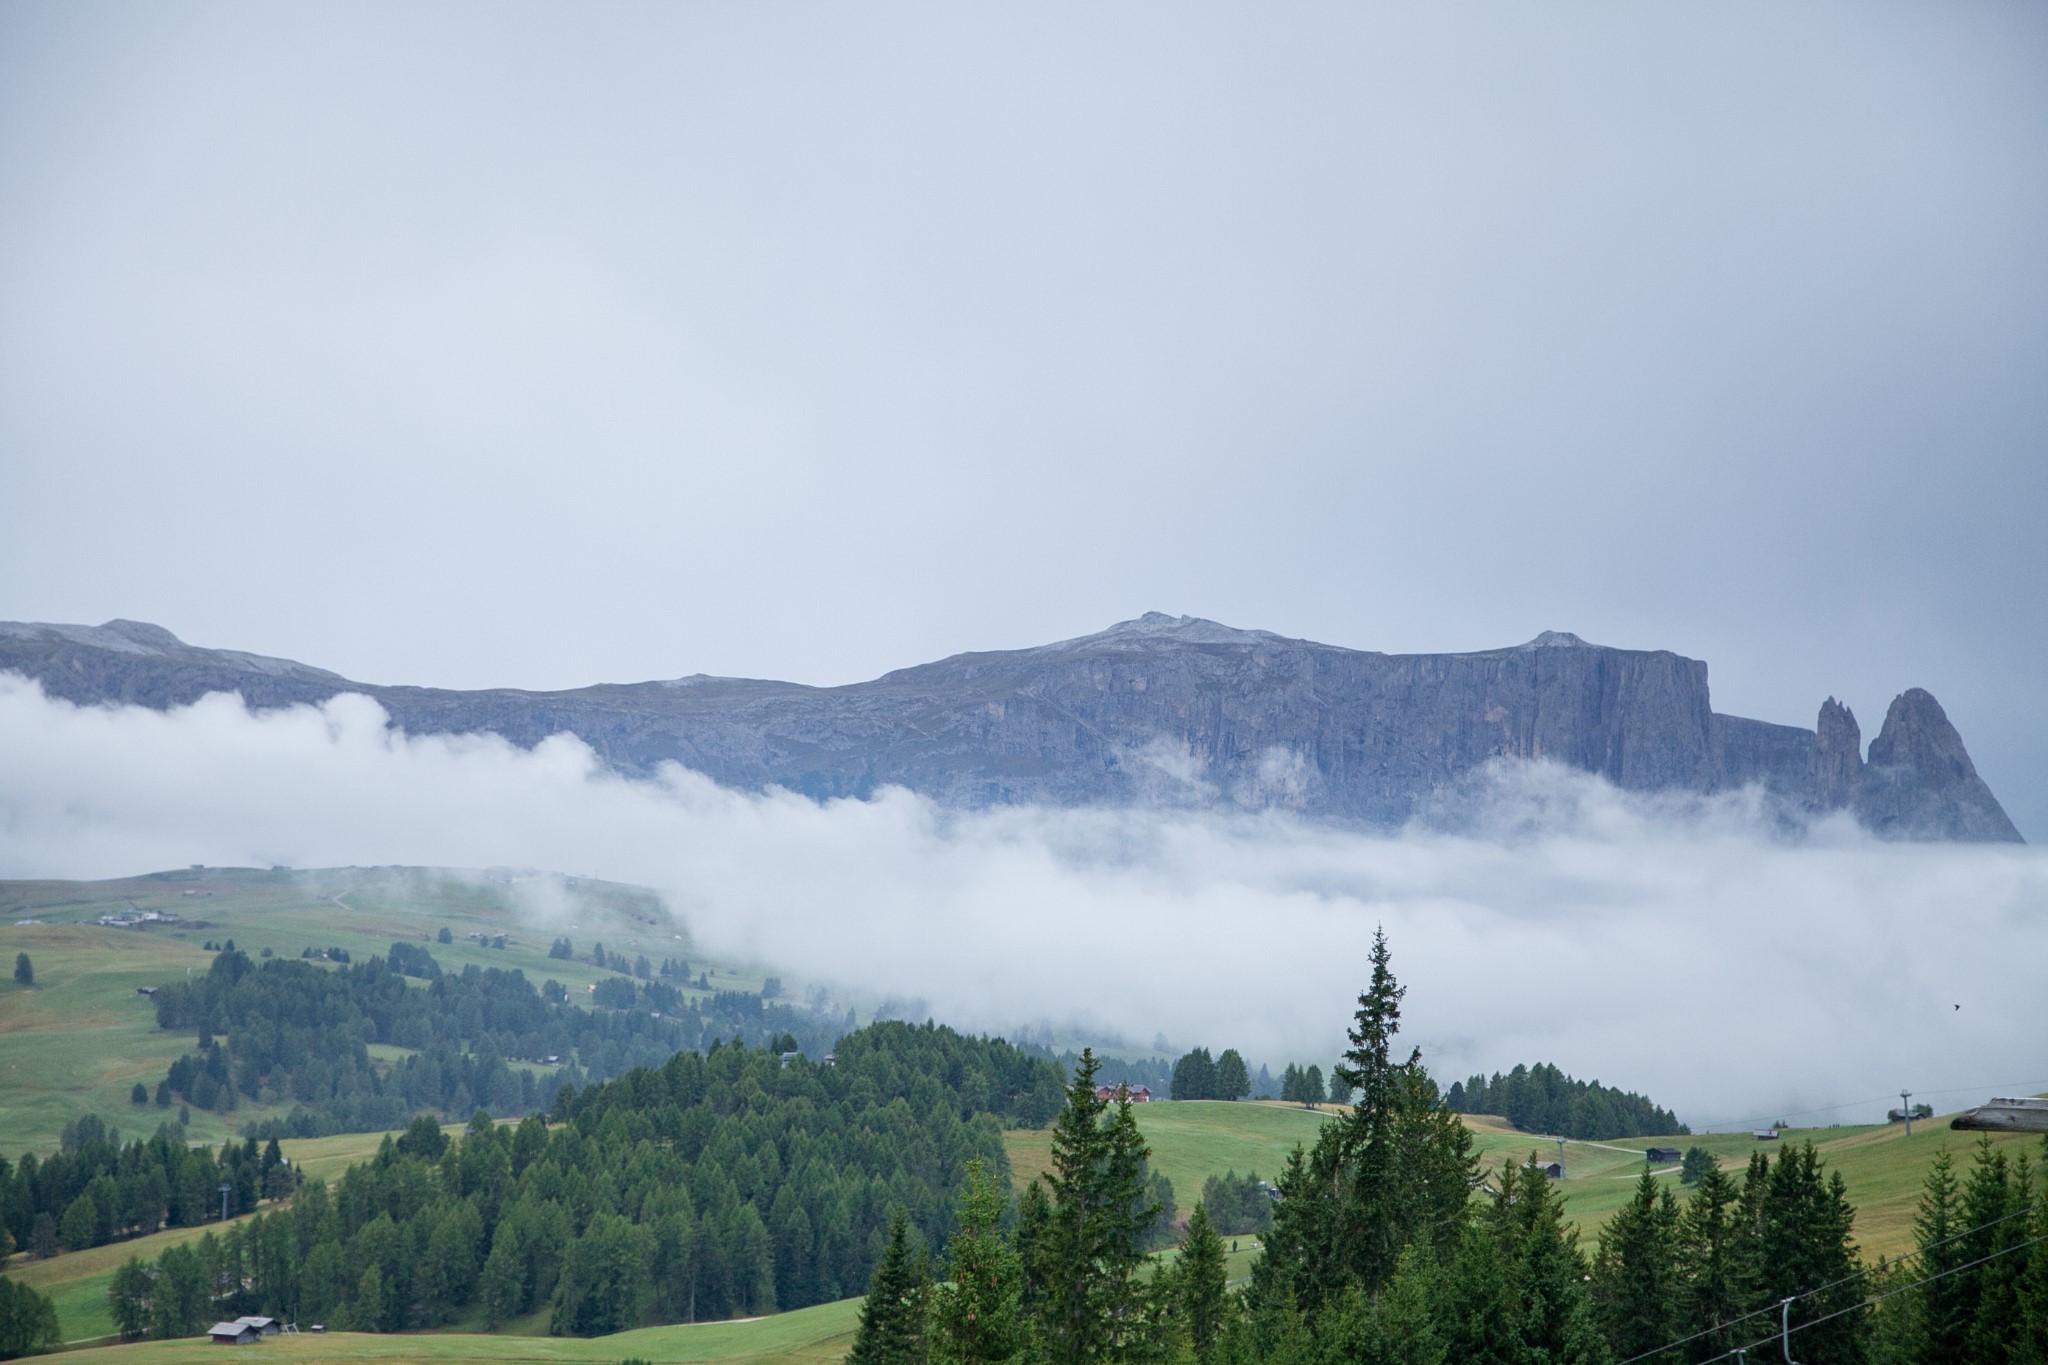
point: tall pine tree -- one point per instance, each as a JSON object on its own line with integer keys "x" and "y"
{"x": 1202, "y": 1284}
{"x": 1085, "y": 1254}
{"x": 892, "y": 1320}
{"x": 1636, "y": 1275}
{"x": 977, "y": 1315}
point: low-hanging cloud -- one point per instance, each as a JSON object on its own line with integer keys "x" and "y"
{"x": 1679, "y": 946}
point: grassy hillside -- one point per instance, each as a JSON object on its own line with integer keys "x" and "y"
{"x": 1883, "y": 1168}
{"x": 1192, "y": 1140}
{"x": 76, "y": 1041}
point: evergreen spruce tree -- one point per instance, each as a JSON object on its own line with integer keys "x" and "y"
{"x": 1398, "y": 1166}
{"x": 1475, "y": 1297}
{"x": 1312, "y": 1086}
{"x": 977, "y": 1314}
{"x": 1340, "y": 1089}
{"x": 892, "y": 1320}
{"x": 1996, "y": 1202}
{"x": 1714, "y": 1265}
{"x": 1233, "y": 1081}
{"x": 1086, "y": 1254}
{"x": 1557, "y": 1319}
{"x": 1894, "y": 1332}
{"x": 1803, "y": 1226}
{"x": 24, "y": 970}
{"x": 1367, "y": 1139}
{"x": 1202, "y": 1284}
{"x": 2032, "y": 1308}
{"x": 1194, "y": 1076}
{"x": 1942, "y": 1322}
{"x": 1636, "y": 1275}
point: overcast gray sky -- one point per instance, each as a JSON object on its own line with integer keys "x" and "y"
{"x": 543, "y": 345}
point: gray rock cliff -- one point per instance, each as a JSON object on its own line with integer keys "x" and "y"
{"x": 1162, "y": 709}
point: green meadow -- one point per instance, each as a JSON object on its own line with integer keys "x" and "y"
{"x": 78, "y": 1040}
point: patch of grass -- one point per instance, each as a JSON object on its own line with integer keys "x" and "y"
{"x": 808, "y": 1336}
{"x": 1192, "y": 1140}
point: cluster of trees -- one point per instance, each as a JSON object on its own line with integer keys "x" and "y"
{"x": 96, "y": 1190}
{"x": 28, "y": 1320}
{"x": 1238, "y": 1204}
{"x": 1542, "y": 1099}
{"x": 605, "y": 961}
{"x": 1059, "y": 1279}
{"x": 409, "y": 959}
{"x": 722, "y": 1183}
{"x": 1975, "y": 1290}
{"x": 326, "y": 954}
{"x": 299, "y": 1033}
{"x": 1389, "y": 1244}
{"x": 1198, "y": 1076}
{"x": 1304, "y": 1085}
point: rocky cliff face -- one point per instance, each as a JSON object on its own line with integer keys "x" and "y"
{"x": 1171, "y": 710}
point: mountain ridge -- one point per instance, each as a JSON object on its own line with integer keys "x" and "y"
{"x": 1160, "y": 709}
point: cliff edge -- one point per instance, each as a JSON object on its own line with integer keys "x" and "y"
{"x": 1163, "y": 710}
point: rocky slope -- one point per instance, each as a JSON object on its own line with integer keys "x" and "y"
{"x": 1161, "y": 709}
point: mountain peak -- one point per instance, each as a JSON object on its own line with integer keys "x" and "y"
{"x": 1192, "y": 630}
{"x": 142, "y": 633}
{"x": 1557, "y": 639}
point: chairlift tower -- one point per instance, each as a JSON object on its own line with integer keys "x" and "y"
{"x": 1560, "y": 1158}
{"x": 1906, "y": 1108}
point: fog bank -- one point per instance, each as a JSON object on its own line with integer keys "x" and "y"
{"x": 1681, "y": 947}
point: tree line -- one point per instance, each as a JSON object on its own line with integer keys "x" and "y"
{"x": 1304, "y": 1086}
{"x": 729, "y": 1182}
{"x": 1198, "y": 1076}
{"x": 300, "y": 1033}
{"x": 95, "y": 1189}
{"x": 1542, "y": 1099}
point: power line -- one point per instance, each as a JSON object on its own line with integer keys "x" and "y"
{"x": 1836, "y": 1284}
{"x": 1870, "y": 1302}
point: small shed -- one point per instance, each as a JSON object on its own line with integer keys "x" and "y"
{"x": 1765, "y": 1134}
{"x": 267, "y": 1326}
{"x": 1656, "y": 1154}
{"x": 1552, "y": 1170}
{"x": 234, "y": 1334}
